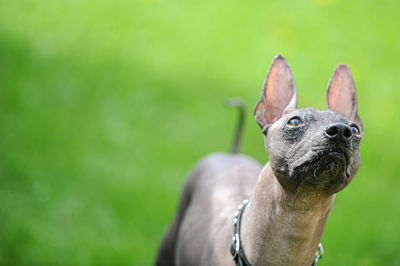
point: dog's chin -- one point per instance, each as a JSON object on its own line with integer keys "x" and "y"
{"x": 330, "y": 168}
{"x": 333, "y": 164}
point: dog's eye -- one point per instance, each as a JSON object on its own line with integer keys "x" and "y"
{"x": 294, "y": 122}
{"x": 355, "y": 130}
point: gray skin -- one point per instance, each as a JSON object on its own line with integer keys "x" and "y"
{"x": 313, "y": 155}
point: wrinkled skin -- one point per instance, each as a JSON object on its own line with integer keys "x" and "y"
{"x": 313, "y": 161}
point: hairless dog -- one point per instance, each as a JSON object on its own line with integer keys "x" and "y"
{"x": 312, "y": 155}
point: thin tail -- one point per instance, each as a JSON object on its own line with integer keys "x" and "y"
{"x": 241, "y": 106}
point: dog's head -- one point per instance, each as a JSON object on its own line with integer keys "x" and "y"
{"x": 307, "y": 148}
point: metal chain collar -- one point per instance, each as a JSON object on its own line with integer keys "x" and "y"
{"x": 237, "y": 251}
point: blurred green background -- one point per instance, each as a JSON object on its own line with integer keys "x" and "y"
{"x": 106, "y": 105}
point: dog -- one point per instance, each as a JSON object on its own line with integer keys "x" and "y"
{"x": 284, "y": 205}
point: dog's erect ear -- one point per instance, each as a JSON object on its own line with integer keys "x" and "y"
{"x": 278, "y": 95}
{"x": 341, "y": 95}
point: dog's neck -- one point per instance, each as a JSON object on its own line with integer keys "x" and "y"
{"x": 280, "y": 228}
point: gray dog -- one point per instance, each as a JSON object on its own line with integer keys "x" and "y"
{"x": 283, "y": 206}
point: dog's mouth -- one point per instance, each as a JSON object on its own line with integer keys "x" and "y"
{"x": 334, "y": 162}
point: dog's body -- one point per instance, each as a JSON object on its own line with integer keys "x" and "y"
{"x": 206, "y": 210}
{"x": 313, "y": 154}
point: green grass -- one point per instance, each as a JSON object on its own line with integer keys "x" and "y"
{"x": 106, "y": 105}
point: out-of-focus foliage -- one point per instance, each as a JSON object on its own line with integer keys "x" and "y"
{"x": 106, "y": 105}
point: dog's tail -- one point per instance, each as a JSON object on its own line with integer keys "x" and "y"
{"x": 241, "y": 106}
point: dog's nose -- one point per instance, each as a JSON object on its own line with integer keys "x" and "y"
{"x": 338, "y": 131}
